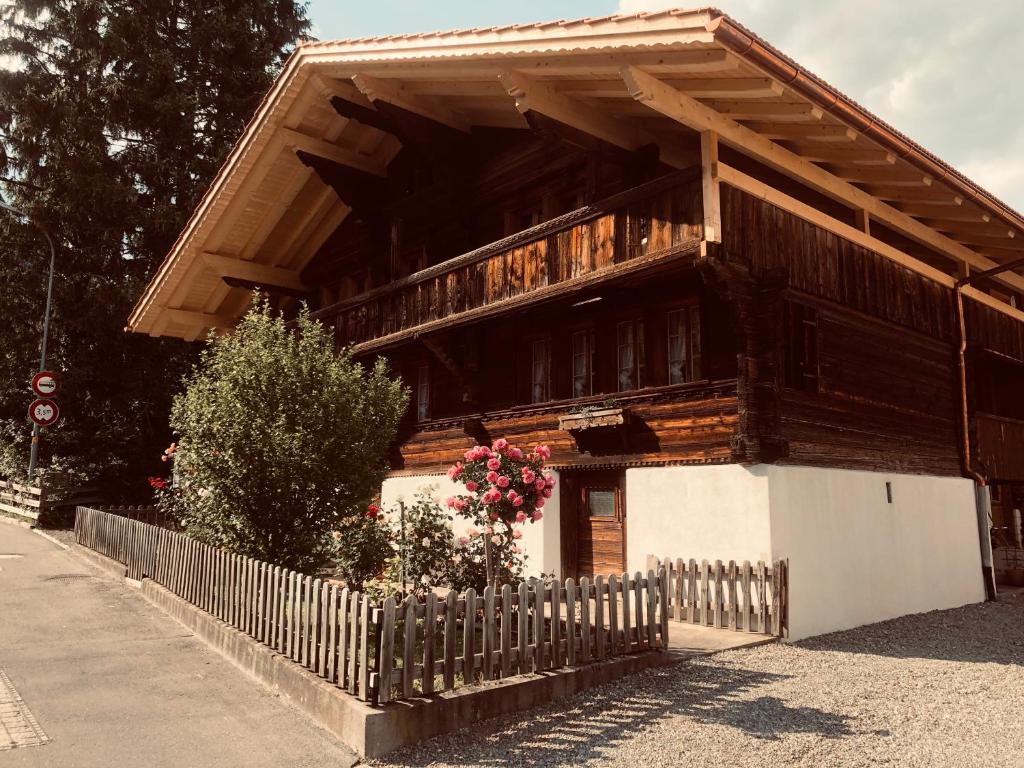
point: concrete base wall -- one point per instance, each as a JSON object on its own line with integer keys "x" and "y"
{"x": 855, "y": 558}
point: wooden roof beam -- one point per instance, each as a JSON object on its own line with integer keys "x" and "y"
{"x": 260, "y": 274}
{"x": 838, "y": 134}
{"x": 376, "y": 89}
{"x": 947, "y": 211}
{"x": 530, "y": 96}
{"x": 897, "y": 177}
{"x": 333, "y": 152}
{"x": 199, "y": 321}
{"x": 714, "y": 88}
{"x": 764, "y": 110}
{"x": 690, "y": 112}
{"x": 822, "y": 154}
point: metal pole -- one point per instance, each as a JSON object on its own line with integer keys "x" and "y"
{"x": 34, "y": 453}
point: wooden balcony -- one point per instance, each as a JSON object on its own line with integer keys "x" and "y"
{"x": 656, "y": 223}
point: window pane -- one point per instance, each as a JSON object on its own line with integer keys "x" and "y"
{"x": 539, "y": 391}
{"x": 423, "y": 393}
{"x": 580, "y": 364}
{"x": 676, "y": 347}
{"x": 601, "y": 503}
{"x": 695, "y": 346}
{"x": 627, "y": 363}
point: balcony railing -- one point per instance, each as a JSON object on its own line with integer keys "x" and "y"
{"x": 655, "y": 222}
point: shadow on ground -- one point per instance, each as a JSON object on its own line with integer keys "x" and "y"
{"x": 585, "y": 729}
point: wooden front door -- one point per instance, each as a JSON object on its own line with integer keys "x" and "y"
{"x": 600, "y": 523}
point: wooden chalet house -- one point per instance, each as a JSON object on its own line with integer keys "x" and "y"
{"x": 751, "y": 319}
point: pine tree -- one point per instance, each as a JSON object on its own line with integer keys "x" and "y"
{"x": 114, "y": 118}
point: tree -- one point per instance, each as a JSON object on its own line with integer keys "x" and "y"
{"x": 113, "y": 120}
{"x": 283, "y": 439}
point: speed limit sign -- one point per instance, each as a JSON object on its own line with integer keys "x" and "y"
{"x": 44, "y": 412}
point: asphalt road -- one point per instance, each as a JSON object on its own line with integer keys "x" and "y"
{"x": 102, "y": 678}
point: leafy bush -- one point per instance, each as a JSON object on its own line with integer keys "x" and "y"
{"x": 283, "y": 440}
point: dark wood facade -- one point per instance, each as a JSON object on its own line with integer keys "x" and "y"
{"x": 812, "y": 349}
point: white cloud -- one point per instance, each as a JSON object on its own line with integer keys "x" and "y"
{"x": 946, "y": 76}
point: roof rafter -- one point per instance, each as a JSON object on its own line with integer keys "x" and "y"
{"x": 297, "y": 140}
{"x": 690, "y": 112}
{"x": 261, "y": 274}
{"x": 376, "y": 89}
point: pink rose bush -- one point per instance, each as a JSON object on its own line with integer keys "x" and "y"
{"x": 504, "y": 487}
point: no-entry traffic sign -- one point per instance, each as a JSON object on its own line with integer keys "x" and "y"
{"x": 44, "y": 412}
{"x": 45, "y": 384}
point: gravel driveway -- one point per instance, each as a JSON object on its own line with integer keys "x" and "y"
{"x": 939, "y": 689}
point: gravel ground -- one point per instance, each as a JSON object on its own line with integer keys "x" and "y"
{"x": 939, "y": 689}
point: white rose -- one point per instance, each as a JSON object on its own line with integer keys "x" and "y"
{"x": 425, "y": 542}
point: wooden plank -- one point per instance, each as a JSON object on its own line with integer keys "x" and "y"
{"x": 353, "y": 641}
{"x": 506, "y": 630}
{"x": 523, "y": 634}
{"x": 489, "y": 634}
{"x": 599, "y": 592}
{"x": 691, "y": 590}
{"x": 762, "y": 602}
{"x": 555, "y": 604}
{"x": 537, "y": 597}
{"x": 709, "y": 186}
{"x": 387, "y": 652}
{"x": 333, "y": 635}
{"x": 745, "y": 576}
{"x": 638, "y": 606}
{"x": 705, "y": 595}
{"x": 450, "y": 638}
{"x": 570, "y": 621}
{"x": 731, "y": 581}
{"x": 613, "y": 616}
{"x": 408, "y": 645}
{"x": 325, "y": 645}
{"x": 665, "y": 612}
{"x": 776, "y": 625}
{"x": 364, "y": 651}
{"x": 429, "y": 640}
{"x": 718, "y": 594}
{"x": 344, "y": 635}
{"x": 469, "y": 638}
{"x": 585, "y": 620}
{"x": 652, "y": 605}
{"x": 680, "y": 608}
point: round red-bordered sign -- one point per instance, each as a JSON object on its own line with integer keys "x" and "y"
{"x": 45, "y": 384}
{"x": 44, "y": 412}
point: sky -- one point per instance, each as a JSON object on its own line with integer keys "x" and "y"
{"x": 945, "y": 74}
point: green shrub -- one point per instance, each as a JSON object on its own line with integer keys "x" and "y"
{"x": 283, "y": 440}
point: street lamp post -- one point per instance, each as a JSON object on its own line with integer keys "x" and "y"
{"x": 34, "y": 453}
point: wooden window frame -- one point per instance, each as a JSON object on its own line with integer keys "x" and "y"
{"x": 423, "y": 393}
{"x": 546, "y": 383}
{"x": 639, "y": 366}
{"x": 801, "y": 370}
{"x": 693, "y": 341}
{"x": 590, "y": 352}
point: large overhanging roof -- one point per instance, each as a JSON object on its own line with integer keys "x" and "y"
{"x": 626, "y": 79}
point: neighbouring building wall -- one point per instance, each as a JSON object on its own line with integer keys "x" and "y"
{"x": 541, "y": 540}
{"x": 855, "y": 558}
{"x": 702, "y": 512}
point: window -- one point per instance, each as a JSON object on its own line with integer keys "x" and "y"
{"x": 423, "y": 393}
{"x": 630, "y": 343}
{"x": 684, "y": 348}
{"x": 539, "y": 372}
{"x": 801, "y": 353}
{"x": 583, "y": 363}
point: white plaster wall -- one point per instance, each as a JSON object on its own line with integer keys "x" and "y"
{"x": 856, "y": 559}
{"x": 541, "y": 540}
{"x": 701, "y": 512}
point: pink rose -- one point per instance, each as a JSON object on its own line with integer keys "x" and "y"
{"x": 460, "y": 504}
{"x": 517, "y": 534}
{"x": 540, "y": 502}
{"x": 539, "y": 484}
{"x": 494, "y": 463}
{"x": 537, "y": 515}
{"x": 503, "y": 482}
{"x": 492, "y": 477}
{"x": 472, "y": 532}
{"x": 515, "y": 453}
{"x": 528, "y": 476}
{"x": 470, "y": 455}
{"x": 516, "y": 549}
{"x": 549, "y": 481}
{"x": 494, "y": 517}
{"x": 450, "y": 501}
{"x": 490, "y": 530}
{"x": 546, "y": 493}
{"x": 518, "y": 501}
{"x": 496, "y": 540}
{"x": 543, "y": 451}
{"x": 471, "y": 486}
{"x": 512, "y": 495}
{"x": 455, "y": 470}
{"x": 500, "y": 444}
{"x": 463, "y": 541}
{"x": 520, "y": 518}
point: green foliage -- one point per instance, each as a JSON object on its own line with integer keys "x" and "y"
{"x": 282, "y": 439}
{"x": 114, "y": 118}
{"x": 363, "y": 550}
